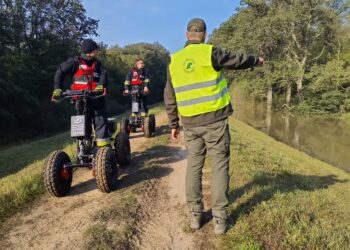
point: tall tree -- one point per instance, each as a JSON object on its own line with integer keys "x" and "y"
{"x": 35, "y": 36}
{"x": 292, "y": 34}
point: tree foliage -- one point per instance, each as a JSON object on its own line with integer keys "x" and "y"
{"x": 118, "y": 61}
{"x": 294, "y": 36}
{"x": 35, "y": 37}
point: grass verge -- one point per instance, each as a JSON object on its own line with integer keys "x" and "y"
{"x": 282, "y": 198}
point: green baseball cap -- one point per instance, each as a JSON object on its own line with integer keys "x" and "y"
{"x": 196, "y": 25}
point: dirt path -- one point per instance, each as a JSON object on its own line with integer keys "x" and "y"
{"x": 166, "y": 228}
{"x": 54, "y": 223}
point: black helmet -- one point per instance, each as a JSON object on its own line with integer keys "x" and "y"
{"x": 88, "y": 46}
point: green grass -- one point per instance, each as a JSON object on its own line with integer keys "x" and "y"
{"x": 20, "y": 189}
{"x": 346, "y": 118}
{"x": 282, "y": 198}
{"x": 102, "y": 235}
{"x": 21, "y": 169}
{"x": 16, "y": 158}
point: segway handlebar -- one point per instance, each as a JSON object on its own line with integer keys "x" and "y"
{"x": 133, "y": 92}
{"x": 85, "y": 93}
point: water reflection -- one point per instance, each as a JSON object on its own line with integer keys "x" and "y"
{"x": 327, "y": 139}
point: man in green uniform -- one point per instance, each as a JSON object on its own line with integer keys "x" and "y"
{"x": 197, "y": 90}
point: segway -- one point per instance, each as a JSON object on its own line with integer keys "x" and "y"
{"x": 146, "y": 123}
{"x": 103, "y": 161}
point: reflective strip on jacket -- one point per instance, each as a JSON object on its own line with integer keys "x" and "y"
{"x": 198, "y": 87}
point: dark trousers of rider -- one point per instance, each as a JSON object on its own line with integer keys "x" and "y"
{"x": 99, "y": 116}
{"x": 143, "y": 105}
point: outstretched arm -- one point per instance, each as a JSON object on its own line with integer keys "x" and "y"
{"x": 222, "y": 59}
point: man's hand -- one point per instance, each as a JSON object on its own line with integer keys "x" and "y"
{"x": 99, "y": 89}
{"x": 126, "y": 91}
{"x": 261, "y": 61}
{"x": 57, "y": 93}
{"x": 175, "y": 134}
{"x": 145, "y": 90}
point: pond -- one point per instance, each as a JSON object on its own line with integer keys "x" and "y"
{"x": 325, "y": 138}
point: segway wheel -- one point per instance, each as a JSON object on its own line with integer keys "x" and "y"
{"x": 152, "y": 120}
{"x": 106, "y": 170}
{"x": 122, "y": 149}
{"x": 124, "y": 126}
{"x": 147, "y": 128}
{"x": 57, "y": 179}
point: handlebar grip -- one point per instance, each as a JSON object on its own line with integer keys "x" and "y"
{"x": 79, "y": 93}
{"x": 104, "y": 93}
{"x": 53, "y": 99}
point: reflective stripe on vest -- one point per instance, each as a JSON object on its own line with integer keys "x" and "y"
{"x": 81, "y": 80}
{"x": 198, "y": 87}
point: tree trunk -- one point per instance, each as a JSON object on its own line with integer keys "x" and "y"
{"x": 288, "y": 94}
{"x": 300, "y": 88}
{"x": 268, "y": 109}
{"x": 296, "y": 135}
{"x": 300, "y": 79}
{"x": 286, "y": 126}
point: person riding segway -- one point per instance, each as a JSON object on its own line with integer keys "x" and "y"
{"x": 89, "y": 126}
{"x": 138, "y": 79}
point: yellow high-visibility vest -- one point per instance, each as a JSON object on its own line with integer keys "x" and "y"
{"x": 199, "y": 88}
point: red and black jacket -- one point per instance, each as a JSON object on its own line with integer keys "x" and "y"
{"x": 86, "y": 73}
{"x": 137, "y": 77}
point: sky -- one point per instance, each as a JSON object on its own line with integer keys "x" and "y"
{"x": 125, "y": 22}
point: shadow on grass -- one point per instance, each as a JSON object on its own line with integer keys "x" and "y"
{"x": 207, "y": 217}
{"x": 159, "y": 154}
{"x": 146, "y": 165}
{"x": 138, "y": 134}
{"x": 83, "y": 187}
{"x": 144, "y": 174}
{"x": 162, "y": 130}
{"x": 272, "y": 184}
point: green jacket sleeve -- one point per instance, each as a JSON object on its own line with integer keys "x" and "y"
{"x": 222, "y": 59}
{"x": 170, "y": 103}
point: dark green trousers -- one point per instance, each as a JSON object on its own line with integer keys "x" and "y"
{"x": 213, "y": 139}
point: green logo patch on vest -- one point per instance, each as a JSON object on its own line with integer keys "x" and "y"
{"x": 189, "y": 65}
